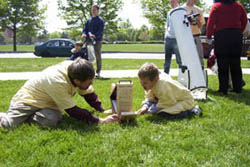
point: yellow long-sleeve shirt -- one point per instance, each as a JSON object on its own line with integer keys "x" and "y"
{"x": 52, "y": 88}
{"x": 170, "y": 95}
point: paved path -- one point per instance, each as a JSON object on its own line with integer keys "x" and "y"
{"x": 105, "y": 74}
{"x": 104, "y": 55}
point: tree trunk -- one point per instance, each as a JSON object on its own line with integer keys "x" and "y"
{"x": 14, "y": 38}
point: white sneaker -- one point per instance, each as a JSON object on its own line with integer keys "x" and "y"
{"x": 197, "y": 110}
{"x": 98, "y": 75}
{"x": 1, "y": 114}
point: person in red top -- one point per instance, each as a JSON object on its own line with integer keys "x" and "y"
{"x": 227, "y": 20}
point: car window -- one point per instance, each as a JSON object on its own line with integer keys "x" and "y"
{"x": 70, "y": 44}
{"x": 57, "y": 43}
{"x": 50, "y": 44}
{"x": 62, "y": 43}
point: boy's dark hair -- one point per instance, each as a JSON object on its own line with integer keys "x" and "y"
{"x": 81, "y": 69}
{"x": 225, "y": 1}
{"x": 148, "y": 70}
{"x": 96, "y": 6}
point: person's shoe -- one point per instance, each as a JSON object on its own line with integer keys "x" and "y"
{"x": 222, "y": 91}
{"x": 243, "y": 83}
{"x": 237, "y": 91}
{"x": 98, "y": 76}
{"x": 197, "y": 110}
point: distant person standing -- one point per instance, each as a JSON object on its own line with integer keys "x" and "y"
{"x": 227, "y": 20}
{"x": 170, "y": 40}
{"x": 196, "y": 26}
{"x": 93, "y": 30}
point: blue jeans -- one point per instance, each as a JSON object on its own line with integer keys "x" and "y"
{"x": 171, "y": 48}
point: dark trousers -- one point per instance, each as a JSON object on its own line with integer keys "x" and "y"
{"x": 98, "y": 55}
{"x": 183, "y": 114}
{"x": 228, "y": 46}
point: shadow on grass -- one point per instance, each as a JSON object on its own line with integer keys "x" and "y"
{"x": 68, "y": 123}
{"x": 104, "y": 79}
{"x": 237, "y": 97}
{"x": 129, "y": 123}
{"x": 157, "y": 119}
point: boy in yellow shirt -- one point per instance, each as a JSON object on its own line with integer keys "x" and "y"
{"x": 165, "y": 96}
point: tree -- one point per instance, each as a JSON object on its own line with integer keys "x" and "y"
{"x": 55, "y": 35}
{"x": 156, "y": 12}
{"x": 246, "y": 4}
{"x": 21, "y": 15}
{"x": 76, "y": 12}
{"x": 43, "y": 36}
{"x": 2, "y": 38}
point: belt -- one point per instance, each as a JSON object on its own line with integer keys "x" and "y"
{"x": 196, "y": 35}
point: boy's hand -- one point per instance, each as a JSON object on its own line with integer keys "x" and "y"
{"x": 92, "y": 36}
{"x": 84, "y": 35}
{"x": 110, "y": 119}
{"x": 143, "y": 110}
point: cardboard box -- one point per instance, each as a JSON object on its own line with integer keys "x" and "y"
{"x": 122, "y": 99}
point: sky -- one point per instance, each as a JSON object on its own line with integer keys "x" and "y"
{"x": 131, "y": 10}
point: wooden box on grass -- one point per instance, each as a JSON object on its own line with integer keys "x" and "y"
{"x": 122, "y": 99}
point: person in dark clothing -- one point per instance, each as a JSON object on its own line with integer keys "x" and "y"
{"x": 78, "y": 51}
{"x": 93, "y": 29}
{"x": 227, "y": 20}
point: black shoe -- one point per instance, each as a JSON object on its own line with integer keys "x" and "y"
{"x": 243, "y": 83}
{"x": 222, "y": 91}
{"x": 237, "y": 91}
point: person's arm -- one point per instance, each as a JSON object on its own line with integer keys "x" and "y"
{"x": 150, "y": 98}
{"x": 100, "y": 31}
{"x": 93, "y": 100}
{"x": 200, "y": 20}
{"x": 243, "y": 18}
{"x": 210, "y": 24}
{"x": 85, "y": 115}
{"x": 167, "y": 25}
{"x": 85, "y": 30}
{"x": 82, "y": 114}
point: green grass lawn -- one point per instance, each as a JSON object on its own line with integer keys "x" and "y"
{"x": 9, "y": 48}
{"x": 134, "y": 47}
{"x": 106, "y": 47}
{"x": 220, "y": 138}
{"x": 26, "y": 65}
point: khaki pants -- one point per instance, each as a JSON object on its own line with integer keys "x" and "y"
{"x": 98, "y": 52}
{"x": 19, "y": 113}
{"x": 199, "y": 47}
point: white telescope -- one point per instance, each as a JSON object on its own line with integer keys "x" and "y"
{"x": 191, "y": 75}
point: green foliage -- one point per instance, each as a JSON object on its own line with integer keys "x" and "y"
{"x": 23, "y": 16}
{"x": 246, "y": 4}
{"x": 43, "y": 36}
{"x": 156, "y": 12}
{"x": 2, "y": 38}
{"x": 76, "y": 12}
{"x": 54, "y": 35}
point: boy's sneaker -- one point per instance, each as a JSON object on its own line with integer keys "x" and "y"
{"x": 98, "y": 76}
{"x": 197, "y": 110}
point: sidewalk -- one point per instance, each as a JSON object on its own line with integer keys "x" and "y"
{"x": 105, "y": 73}
{"x": 104, "y": 55}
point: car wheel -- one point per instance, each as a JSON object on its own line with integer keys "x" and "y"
{"x": 45, "y": 54}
